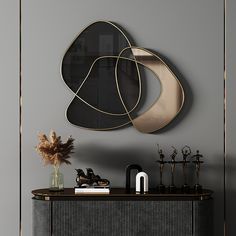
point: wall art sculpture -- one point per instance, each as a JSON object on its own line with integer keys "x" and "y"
{"x": 102, "y": 70}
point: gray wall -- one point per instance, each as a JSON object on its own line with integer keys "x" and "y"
{"x": 231, "y": 119}
{"x": 188, "y": 33}
{"x": 9, "y": 126}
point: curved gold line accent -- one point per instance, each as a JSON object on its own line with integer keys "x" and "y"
{"x": 165, "y": 108}
{"x": 97, "y": 109}
{"x": 75, "y": 94}
{"x": 117, "y": 83}
{"x": 160, "y": 113}
{"x": 128, "y": 113}
{"x": 85, "y": 79}
{"x": 102, "y": 129}
{"x": 114, "y": 127}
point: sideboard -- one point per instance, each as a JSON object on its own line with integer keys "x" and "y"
{"x": 122, "y": 214}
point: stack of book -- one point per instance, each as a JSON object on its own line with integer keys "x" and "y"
{"x": 92, "y": 190}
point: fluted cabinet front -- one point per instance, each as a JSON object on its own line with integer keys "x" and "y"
{"x": 122, "y": 218}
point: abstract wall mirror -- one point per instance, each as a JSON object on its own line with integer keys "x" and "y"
{"x": 102, "y": 70}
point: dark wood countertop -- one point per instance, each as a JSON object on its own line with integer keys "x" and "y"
{"x": 119, "y": 194}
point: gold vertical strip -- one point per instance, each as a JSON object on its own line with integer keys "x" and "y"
{"x": 225, "y": 122}
{"x": 20, "y": 115}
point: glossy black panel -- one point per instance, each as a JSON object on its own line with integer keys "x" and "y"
{"x": 98, "y": 39}
{"x": 80, "y": 114}
{"x": 100, "y": 88}
{"x": 89, "y": 70}
{"x": 128, "y": 80}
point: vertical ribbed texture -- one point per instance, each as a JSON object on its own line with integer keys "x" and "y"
{"x": 41, "y": 218}
{"x": 122, "y": 218}
{"x": 203, "y": 218}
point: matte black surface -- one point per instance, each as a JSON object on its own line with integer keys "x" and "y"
{"x": 109, "y": 218}
{"x": 203, "y": 217}
{"x": 123, "y": 218}
{"x": 128, "y": 170}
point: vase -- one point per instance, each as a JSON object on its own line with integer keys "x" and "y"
{"x": 56, "y": 180}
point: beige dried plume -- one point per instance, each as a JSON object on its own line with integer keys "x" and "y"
{"x": 53, "y": 150}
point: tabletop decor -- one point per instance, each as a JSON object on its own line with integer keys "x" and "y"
{"x": 91, "y": 183}
{"x": 186, "y": 151}
{"x": 185, "y": 162}
{"x": 161, "y": 187}
{"x": 90, "y": 179}
{"x": 129, "y": 168}
{"x": 197, "y": 162}
{"x": 141, "y": 183}
{"x": 173, "y": 162}
{"x": 54, "y": 152}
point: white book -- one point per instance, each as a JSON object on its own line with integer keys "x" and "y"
{"x": 92, "y": 190}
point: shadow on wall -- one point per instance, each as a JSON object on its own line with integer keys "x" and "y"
{"x": 103, "y": 158}
{"x": 116, "y": 159}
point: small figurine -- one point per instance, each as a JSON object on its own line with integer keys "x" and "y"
{"x": 161, "y": 162}
{"x": 173, "y": 162}
{"x": 186, "y": 151}
{"x": 90, "y": 179}
{"x": 197, "y": 162}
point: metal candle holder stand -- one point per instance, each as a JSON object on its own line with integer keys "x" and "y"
{"x": 173, "y": 162}
{"x": 197, "y": 162}
{"x": 186, "y": 152}
{"x": 161, "y": 187}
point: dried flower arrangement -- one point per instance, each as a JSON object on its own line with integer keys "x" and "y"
{"x": 53, "y": 150}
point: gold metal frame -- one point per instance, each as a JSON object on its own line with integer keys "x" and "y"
{"x": 167, "y": 105}
{"x": 87, "y": 76}
{"x": 76, "y": 93}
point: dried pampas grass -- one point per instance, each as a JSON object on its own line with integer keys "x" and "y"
{"x": 53, "y": 150}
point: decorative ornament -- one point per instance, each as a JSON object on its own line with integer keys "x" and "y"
{"x": 102, "y": 70}
{"x": 55, "y": 153}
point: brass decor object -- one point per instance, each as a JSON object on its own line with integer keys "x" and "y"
{"x": 173, "y": 162}
{"x": 197, "y": 162}
{"x": 102, "y": 69}
{"x": 186, "y": 151}
{"x": 185, "y": 162}
{"x": 161, "y": 187}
